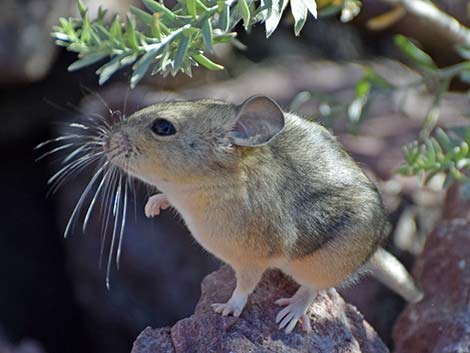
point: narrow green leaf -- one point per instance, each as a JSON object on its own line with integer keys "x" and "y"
{"x": 350, "y": 10}
{"x": 128, "y": 60}
{"x": 443, "y": 138}
{"x": 356, "y": 108}
{"x": 181, "y": 51}
{"x": 465, "y": 76}
{"x": 464, "y": 52}
{"x": 311, "y": 6}
{"x": 86, "y": 29}
{"x": 416, "y": 55}
{"x": 107, "y": 70}
{"x": 101, "y": 14}
{"x": 245, "y": 12}
{"x": 131, "y": 34}
{"x": 224, "y": 38}
{"x": 115, "y": 31}
{"x": 142, "y": 15}
{"x": 224, "y": 19}
{"x": 207, "y": 35}
{"x": 299, "y": 11}
{"x": 273, "y": 21}
{"x": 157, "y": 7}
{"x": 81, "y": 8}
{"x": 87, "y": 60}
{"x": 431, "y": 153}
{"x": 207, "y": 63}
{"x": 191, "y": 6}
{"x": 363, "y": 88}
{"x": 142, "y": 65}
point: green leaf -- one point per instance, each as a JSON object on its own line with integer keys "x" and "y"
{"x": 416, "y": 55}
{"x": 207, "y": 35}
{"x": 350, "y": 10}
{"x": 191, "y": 6}
{"x": 245, "y": 11}
{"x": 86, "y": 30}
{"x": 311, "y": 6}
{"x": 115, "y": 31}
{"x": 107, "y": 70}
{"x": 223, "y": 38}
{"x": 101, "y": 14}
{"x": 328, "y": 11}
{"x": 363, "y": 88}
{"x": 207, "y": 63}
{"x": 273, "y": 21}
{"x": 464, "y": 52}
{"x": 465, "y": 76}
{"x": 87, "y": 60}
{"x": 142, "y": 15}
{"x": 160, "y": 8}
{"x": 224, "y": 19}
{"x": 299, "y": 11}
{"x": 181, "y": 51}
{"x": 81, "y": 8}
{"x": 142, "y": 65}
{"x": 131, "y": 34}
{"x": 443, "y": 138}
{"x": 356, "y": 109}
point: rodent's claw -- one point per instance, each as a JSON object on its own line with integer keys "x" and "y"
{"x": 295, "y": 310}
{"x": 156, "y": 203}
{"x": 288, "y": 317}
{"x": 227, "y": 309}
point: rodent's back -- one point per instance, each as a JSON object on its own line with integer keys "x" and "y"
{"x": 326, "y": 196}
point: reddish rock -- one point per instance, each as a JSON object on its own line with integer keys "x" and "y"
{"x": 441, "y": 321}
{"x": 337, "y": 326}
{"x": 458, "y": 194}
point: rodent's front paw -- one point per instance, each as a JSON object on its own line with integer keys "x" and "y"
{"x": 234, "y": 306}
{"x": 156, "y": 203}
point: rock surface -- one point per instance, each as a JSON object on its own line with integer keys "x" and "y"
{"x": 441, "y": 321}
{"x": 337, "y": 326}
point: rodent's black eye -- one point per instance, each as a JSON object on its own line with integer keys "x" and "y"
{"x": 163, "y": 127}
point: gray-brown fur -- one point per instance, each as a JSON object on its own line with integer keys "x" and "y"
{"x": 286, "y": 196}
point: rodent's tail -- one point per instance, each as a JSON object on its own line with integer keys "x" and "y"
{"x": 388, "y": 270}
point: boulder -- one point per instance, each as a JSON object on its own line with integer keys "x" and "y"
{"x": 441, "y": 321}
{"x": 337, "y": 326}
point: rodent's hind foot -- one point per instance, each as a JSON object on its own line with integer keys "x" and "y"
{"x": 234, "y": 306}
{"x": 156, "y": 203}
{"x": 296, "y": 310}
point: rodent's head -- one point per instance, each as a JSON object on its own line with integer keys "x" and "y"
{"x": 182, "y": 141}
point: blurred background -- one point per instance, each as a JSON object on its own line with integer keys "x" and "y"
{"x": 53, "y": 296}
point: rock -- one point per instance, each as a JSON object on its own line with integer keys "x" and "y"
{"x": 458, "y": 194}
{"x": 337, "y": 326}
{"x": 441, "y": 321}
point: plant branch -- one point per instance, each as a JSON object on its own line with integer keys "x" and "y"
{"x": 447, "y": 25}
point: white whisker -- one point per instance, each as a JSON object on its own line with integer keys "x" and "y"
{"x": 82, "y": 198}
{"x": 123, "y": 223}
{"x": 57, "y": 149}
{"x": 116, "y": 207}
{"x": 93, "y": 200}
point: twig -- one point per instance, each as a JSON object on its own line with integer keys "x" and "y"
{"x": 447, "y": 25}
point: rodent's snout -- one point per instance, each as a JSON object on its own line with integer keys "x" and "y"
{"x": 117, "y": 144}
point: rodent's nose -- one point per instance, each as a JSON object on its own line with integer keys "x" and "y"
{"x": 106, "y": 145}
{"x": 117, "y": 143}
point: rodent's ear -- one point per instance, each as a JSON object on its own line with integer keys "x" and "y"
{"x": 259, "y": 119}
